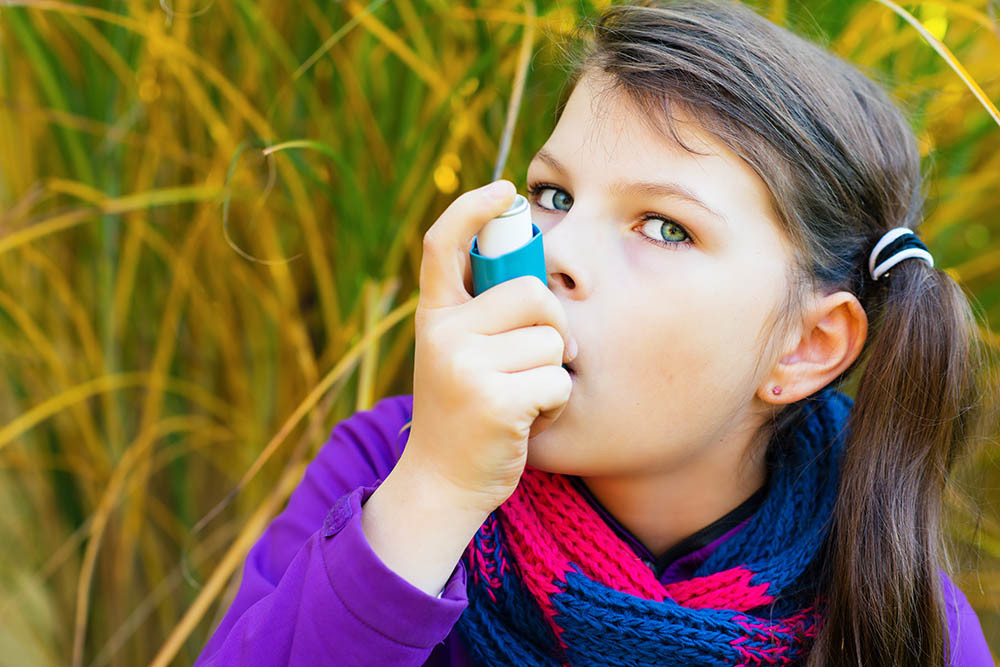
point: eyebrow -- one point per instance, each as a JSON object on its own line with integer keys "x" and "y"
{"x": 638, "y": 188}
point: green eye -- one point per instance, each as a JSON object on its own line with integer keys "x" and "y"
{"x": 665, "y": 232}
{"x": 558, "y": 201}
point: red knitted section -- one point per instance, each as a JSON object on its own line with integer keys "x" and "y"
{"x": 549, "y": 525}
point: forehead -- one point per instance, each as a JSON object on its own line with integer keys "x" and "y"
{"x": 601, "y": 123}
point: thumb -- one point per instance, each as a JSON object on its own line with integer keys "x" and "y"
{"x": 445, "y": 269}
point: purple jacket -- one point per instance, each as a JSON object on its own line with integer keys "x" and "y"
{"x": 313, "y": 591}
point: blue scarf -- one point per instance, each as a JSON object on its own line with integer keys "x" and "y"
{"x": 550, "y": 583}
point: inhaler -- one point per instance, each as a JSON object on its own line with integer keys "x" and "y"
{"x": 508, "y": 246}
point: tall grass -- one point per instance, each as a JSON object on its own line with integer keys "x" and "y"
{"x": 211, "y": 217}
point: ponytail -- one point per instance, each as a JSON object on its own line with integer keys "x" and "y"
{"x": 912, "y": 417}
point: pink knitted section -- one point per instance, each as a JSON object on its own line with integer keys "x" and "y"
{"x": 764, "y": 642}
{"x": 561, "y": 527}
{"x": 479, "y": 565}
{"x": 729, "y": 589}
{"x": 550, "y": 526}
{"x": 540, "y": 562}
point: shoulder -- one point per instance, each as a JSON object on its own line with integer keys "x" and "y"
{"x": 380, "y": 426}
{"x": 969, "y": 648}
{"x": 360, "y": 451}
{"x": 369, "y": 442}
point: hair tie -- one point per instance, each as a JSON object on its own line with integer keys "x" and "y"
{"x": 895, "y": 246}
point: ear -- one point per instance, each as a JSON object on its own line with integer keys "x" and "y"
{"x": 833, "y": 332}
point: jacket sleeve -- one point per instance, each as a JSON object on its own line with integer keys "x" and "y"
{"x": 313, "y": 591}
{"x": 968, "y": 644}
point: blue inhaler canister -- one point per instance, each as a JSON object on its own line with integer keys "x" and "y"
{"x": 508, "y": 246}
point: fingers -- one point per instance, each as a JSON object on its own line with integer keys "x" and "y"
{"x": 522, "y": 302}
{"x": 444, "y": 268}
{"x": 522, "y": 349}
{"x": 549, "y": 387}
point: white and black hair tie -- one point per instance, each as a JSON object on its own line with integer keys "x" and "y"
{"x": 895, "y": 246}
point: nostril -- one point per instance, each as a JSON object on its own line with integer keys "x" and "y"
{"x": 563, "y": 278}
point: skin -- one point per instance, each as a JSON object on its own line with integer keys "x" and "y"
{"x": 677, "y": 347}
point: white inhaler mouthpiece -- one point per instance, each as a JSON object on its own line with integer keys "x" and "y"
{"x": 508, "y": 246}
{"x": 508, "y": 231}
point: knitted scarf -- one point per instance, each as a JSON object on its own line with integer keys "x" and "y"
{"x": 550, "y": 583}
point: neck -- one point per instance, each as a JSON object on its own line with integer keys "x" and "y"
{"x": 663, "y": 508}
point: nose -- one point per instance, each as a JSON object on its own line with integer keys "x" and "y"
{"x": 564, "y": 259}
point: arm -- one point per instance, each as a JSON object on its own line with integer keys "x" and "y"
{"x": 313, "y": 590}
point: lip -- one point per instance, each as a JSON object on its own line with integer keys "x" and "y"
{"x": 571, "y": 371}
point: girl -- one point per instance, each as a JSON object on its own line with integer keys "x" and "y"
{"x": 726, "y": 212}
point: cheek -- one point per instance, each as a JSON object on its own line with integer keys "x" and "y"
{"x": 690, "y": 325}
{"x": 734, "y": 343}
{"x": 696, "y": 342}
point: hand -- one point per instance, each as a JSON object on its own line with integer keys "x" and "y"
{"x": 488, "y": 370}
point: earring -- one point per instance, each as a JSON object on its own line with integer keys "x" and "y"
{"x": 776, "y": 390}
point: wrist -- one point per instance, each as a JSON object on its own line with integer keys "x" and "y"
{"x": 417, "y": 527}
{"x": 436, "y": 493}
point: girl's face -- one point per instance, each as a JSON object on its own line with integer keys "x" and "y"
{"x": 670, "y": 266}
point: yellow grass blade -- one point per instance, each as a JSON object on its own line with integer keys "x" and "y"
{"x": 40, "y": 342}
{"x": 138, "y": 201}
{"x": 392, "y": 41}
{"x": 336, "y": 37}
{"x": 346, "y": 363}
{"x": 234, "y": 556}
{"x": 527, "y": 43}
{"x": 134, "y": 456}
{"x": 113, "y": 382}
{"x": 948, "y": 56}
{"x": 964, "y": 10}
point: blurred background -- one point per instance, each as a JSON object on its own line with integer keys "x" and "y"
{"x": 211, "y": 217}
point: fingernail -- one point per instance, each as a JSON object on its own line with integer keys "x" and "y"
{"x": 498, "y": 190}
{"x": 573, "y": 349}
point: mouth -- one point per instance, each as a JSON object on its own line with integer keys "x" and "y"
{"x": 569, "y": 369}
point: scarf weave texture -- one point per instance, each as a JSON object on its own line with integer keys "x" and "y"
{"x": 551, "y": 583}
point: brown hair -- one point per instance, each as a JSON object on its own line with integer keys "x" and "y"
{"x": 842, "y": 166}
